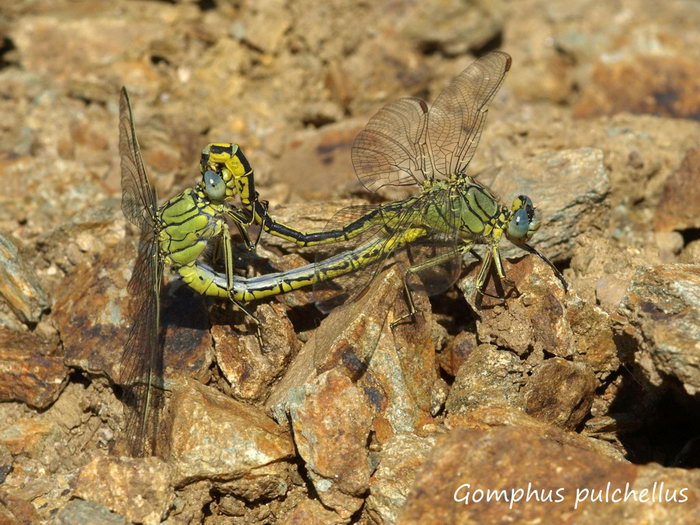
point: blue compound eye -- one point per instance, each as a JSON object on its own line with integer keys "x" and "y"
{"x": 214, "y": 185}
{"x": 519, "y": 224}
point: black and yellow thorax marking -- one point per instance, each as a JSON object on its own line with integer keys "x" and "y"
{"x": 187, "y": 222}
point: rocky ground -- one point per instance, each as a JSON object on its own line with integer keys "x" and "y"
{"x": 559, "y": 398}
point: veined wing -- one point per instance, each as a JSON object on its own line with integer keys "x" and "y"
{"x": 390, "y": 150}
{"x": 402, "y": 238}
{"x": 141, "y": 372}
{"x": 457, "y": 116}
{"x": 142, "y": 361}
{"x": 139, "y": 199}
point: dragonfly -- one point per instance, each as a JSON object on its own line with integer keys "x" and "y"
{"x": 177, "y": 233}
{"x": 409, "y": 144}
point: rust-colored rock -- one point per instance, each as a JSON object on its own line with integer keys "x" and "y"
{"x": 480, "y": 476}
{"x": 457, "y": 351}
{"x": 679, "y": 207}
{"x": 399, "y": 461}
{"x": 19, "y": 285}
{"x": 560, "y": 392}
{"x": 27, "y": 436}
{"x": 139, "y": 488}
{"x": 663, "y": 307}
{"x": 213, "y": 436}
{"x": 249, "y": 369}
{"x": 395, "y": 367}
{"x": 659, "y": 85}
{"x": 93, "y": 317}
{"x": 565, "y": 214}
{"x": 531, "y": 317}
{"x": 488, "y": 377}
{"x": 288, "y": 81}
{"x": 28, "y": 370}
{"x": 537, "y": 316}
{"x": 331, "y": 425}
{"x": 310, "y": 512}
{"x": 494, "y": 417}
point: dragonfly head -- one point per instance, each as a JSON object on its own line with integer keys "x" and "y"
{"x": 524, "y": 220}
{"x": 224, "y": 168}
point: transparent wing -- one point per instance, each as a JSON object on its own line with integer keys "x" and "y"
{"x": 389, "y": 151}
{"x": 457, "y": 116}
{"x": 141, "y": 373}
{"x": 431, "y": 253}
{"x": 139, "y": 200}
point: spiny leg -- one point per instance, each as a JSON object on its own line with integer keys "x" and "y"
{"x": 241, "y": 222}
{"x": 265, "y": 205}
{"x": 228, "y": 266}
{"x": 493, "y": 255}
{"x": 419, "y": 267}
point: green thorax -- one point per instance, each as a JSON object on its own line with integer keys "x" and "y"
{"x": 465, "y": 205}
{"x": 187, "y": 222}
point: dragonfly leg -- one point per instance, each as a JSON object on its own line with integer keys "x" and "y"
{"x": 228, "y": 265}
{"x": 493, "y": 255}
{"x": 417, "y": 268}
{"x": 265, "y": 205}
{"x": 241, "y": 222}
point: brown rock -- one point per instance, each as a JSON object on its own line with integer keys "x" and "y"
{"x": 488, "y": 377}
{"x": 311, "y": 512}
{"x": 593, "y": 337}
{"x": 28, "y": 436}
{"x": 494, "y": 417}
{"x": 265, "y": 29}
{"x": 325, "y": 155}
{"x": 382, "y": 70}
{"x": 191, "y": 501}
{"x": 66, "y": 244}
{"x": 216, "y": 437}
{"x": 139, "y": 488}
{"x": 395, "y": 367}
{"x": 28, "y": 371}
{"x": 261, "y": 484}
{"x": 662, "y": 308}
{"x": 480, "y": 476}
{"x": 565, "y": 214}
{"x": 542, "y": 318}
{"x": 560, "y": 392}
{"x": 534, "y": 320}
{"x": 50, "y": 204}
{"x": 89, "y": 40}
{"x": 451, "y": 26}
{"x": 16, "y": 511}
{"x": 331, "y": 425}
{"x": 457, "y": 351}
{"x": 678, "y": 208}
{"x": 602, "y": 269}
{"x": 658, "y": 85}
{"x": 691, "y": 253}
{"x": 19, "y": 285}
{"x": 399, "y": 460}
{"x": 249, "y": 369}
{"x": 79, "y": 511}
{"x": 93, "y": 316}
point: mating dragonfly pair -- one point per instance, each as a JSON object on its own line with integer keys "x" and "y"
{"x": 404, "y": 144}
